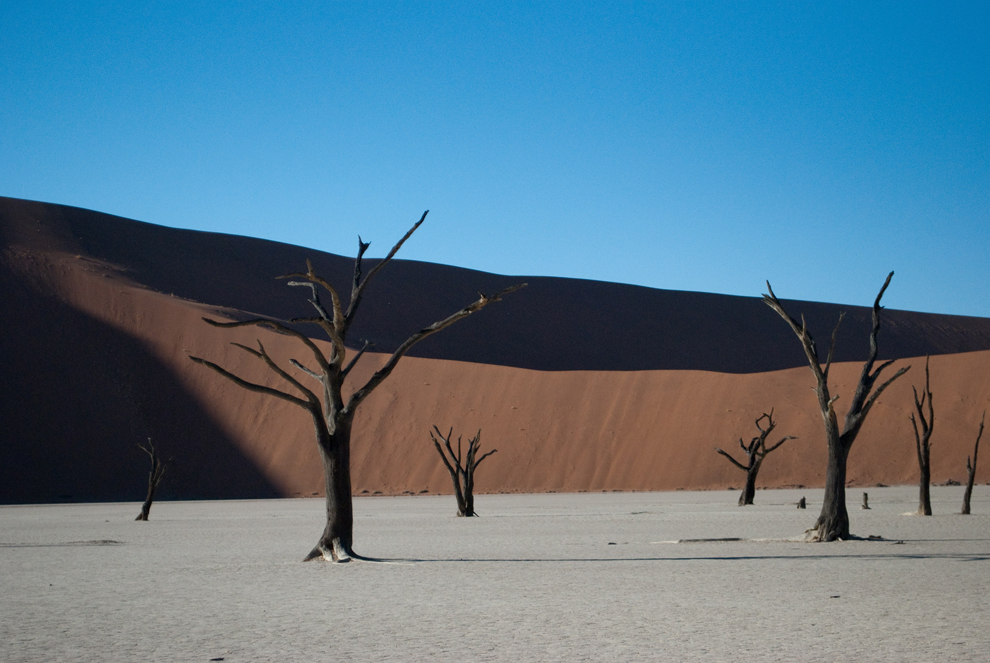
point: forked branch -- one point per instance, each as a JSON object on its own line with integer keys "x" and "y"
{"x": 337, "y": 319}
{"x": 350, "y": 365}
{"x": 251, "y": 386}
{"x": 279, "y": 327}
{"x": 359, "y": 285}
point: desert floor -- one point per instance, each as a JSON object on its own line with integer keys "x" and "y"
{"x": 550, "y": 577}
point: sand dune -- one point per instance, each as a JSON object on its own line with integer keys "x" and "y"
{"x": 96, "y": 360}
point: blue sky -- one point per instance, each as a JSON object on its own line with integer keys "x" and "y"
{"x": 691, "y": 146}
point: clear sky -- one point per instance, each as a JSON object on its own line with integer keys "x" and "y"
{"x": 693, "y": 146}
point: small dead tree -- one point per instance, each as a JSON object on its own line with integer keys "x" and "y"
{"x": 756, "y": 451}
{"x": 971, "y": 469}
{"x": 332, "y": 415}
{"x": 155, "y": 475}
{"x": 833, "y": 522}
{"x": 461, "y": 473}
{"x": 922, "y": 442}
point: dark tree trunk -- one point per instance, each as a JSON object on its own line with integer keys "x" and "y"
{"x": 463, "y": 510}
{"x": 749, "y": 491}
{"x": 971, "y": 469}
{"x": 968, "y": 494}
{"x": 336, "y": 543}
{"x": 146, "y": 507}
{"x": 924, "y": 489}
{"x": 966, "y": 497}
{"x": 469, "y": 503}
{"x": 833, "y": 521}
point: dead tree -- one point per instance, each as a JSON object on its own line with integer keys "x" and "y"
{"x": 154, "y": 477}
{"x": 461, "y": 473}
{"x": 332, "y": 416}
{"x": 756, "y": 451}
{"x": 833, "y": 522}
{"x": 922, "y": 442}
{"x": 971, "y": 469}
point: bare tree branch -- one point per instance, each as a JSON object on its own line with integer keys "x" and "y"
{"x": 789, "y": 437}
{"x": 310, "y": 396}
{"x": 310, "y": 373}
{"x": 250, "y": 386}
{"x": 277, "y": 326}
{"x": 261, "y": 354}
{"x": 831, "y": 346}
{"x": 443, "y": 456}
{"x": 390, "y": 365}
{"x": 734, "y": 461}
{"x": 337, "y": 320}
{"x": 478, "y": 462}
{"x": 807, "y": 342}
{"x": 867, "y": 379}
{"x": 350, "y": 365}
{"x": 876, "y": 394}
{"x": 357, "y": 290}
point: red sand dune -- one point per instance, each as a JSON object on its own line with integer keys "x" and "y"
{"x": 647, "y": 382}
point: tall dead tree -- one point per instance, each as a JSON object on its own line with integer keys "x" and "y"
{"x": 833, "y": 521}
{"x": 923, "y": 444}
{"x": 461, "y": 472}
{"x": 332, "y": 416}
{"x": 971, "y": 469}
{"x": 155, "y": 475}
{"x": 756, "y": 451}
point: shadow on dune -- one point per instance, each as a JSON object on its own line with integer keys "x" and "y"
{"x": 76, "y": 396}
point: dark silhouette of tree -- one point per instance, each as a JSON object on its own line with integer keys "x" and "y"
{"x": 923, "y": 444}
{"x": 833, "y": 522}
{"x": 332, "y": 416}
{"x": 154, "y": 477}
{"x": 971, "y": 468}
{"x": 756, "y": 451}
{"x": 461, "y": 473}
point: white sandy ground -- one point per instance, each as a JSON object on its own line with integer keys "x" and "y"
{"x": 536, "y": 578}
